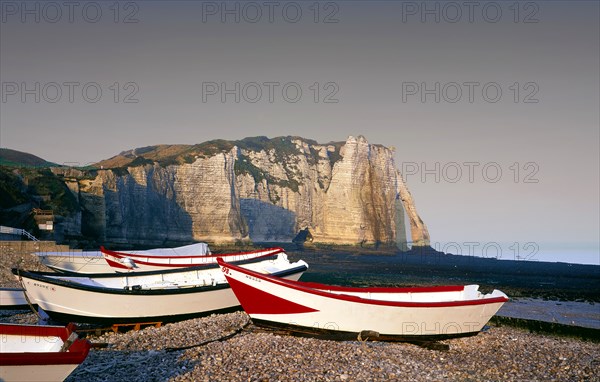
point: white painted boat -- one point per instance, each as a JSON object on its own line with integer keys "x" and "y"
{"x": 423, "y": 313}
{"x": 12, "y": 299}
{"x": 160, "y": 296}
{"x": 156, "y": 260}
{"x": 84, "y": 262}
{"x": 39, "y": 352}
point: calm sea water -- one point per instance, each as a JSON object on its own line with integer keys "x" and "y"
{"x": 573, "y": 253}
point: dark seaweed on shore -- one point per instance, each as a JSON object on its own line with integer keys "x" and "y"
{"x": 535, "y": 279}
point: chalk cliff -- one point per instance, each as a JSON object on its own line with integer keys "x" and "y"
{"x": 255, "y": 189}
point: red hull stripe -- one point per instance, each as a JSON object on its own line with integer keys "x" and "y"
{"x": 269, "y": 251}
{"x": 36, "y": 330}
{"x": 256, "y": 301}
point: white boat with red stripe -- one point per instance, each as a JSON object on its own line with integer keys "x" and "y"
{"x": 404, "y": 314}
{"x": 163, "y": 260}
{"x": 39, "y": 352}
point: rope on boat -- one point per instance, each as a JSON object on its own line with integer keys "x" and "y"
{"x": 27, "y": 297}
{"x": 219, "y": 339}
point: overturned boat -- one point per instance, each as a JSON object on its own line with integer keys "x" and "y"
{"x": 39, "y": 352}
{"x": 158, "y": 296}
{"x": 401, "y": 314}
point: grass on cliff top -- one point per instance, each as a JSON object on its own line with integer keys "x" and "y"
{"x": 165, "y": 155}
{"x": 14, "y": 158}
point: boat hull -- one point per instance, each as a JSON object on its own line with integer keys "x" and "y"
{"x": 34, "y": 353}
{"x": 366, "y": 335}
{"x": 12, "y": 299}
{"x": 424, "y": 313}
{"x": 82, "y": 300}
{"x": 36, "y": 373}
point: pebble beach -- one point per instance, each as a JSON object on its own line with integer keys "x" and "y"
{"x": 202, "y": 350}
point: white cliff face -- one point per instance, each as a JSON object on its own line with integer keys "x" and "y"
{"x": 344, "y": 195}
{"x": 351, "y": 202}
{"x": 152, "y": 204}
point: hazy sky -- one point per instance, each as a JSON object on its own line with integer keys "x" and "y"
{"x": 461, "y": 90}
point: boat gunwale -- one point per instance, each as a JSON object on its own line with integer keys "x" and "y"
{"x": 43, "y": 277}
{"x": 182, "y": 269}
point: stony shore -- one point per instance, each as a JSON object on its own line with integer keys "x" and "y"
{"x": 498, "y": 354}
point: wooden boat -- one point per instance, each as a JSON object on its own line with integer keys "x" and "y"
{"x": 39, "y": 353}
{"x": 84, "y": 262}
{"x": 424, "y": 313}
{"x": 155, "y": 260}
{"x": 91, "y": 262}
{"x": 158, "y": 296}
{"x": 12, "y": 299}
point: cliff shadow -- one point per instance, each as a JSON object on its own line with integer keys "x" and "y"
{"x": 267, "y": 222}
{"x": 136, "y": 215}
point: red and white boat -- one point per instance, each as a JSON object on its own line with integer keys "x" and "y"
{"x": 39, "y": 352}
{"x": 424, "y": 313}
{"x": 156, "y": 260}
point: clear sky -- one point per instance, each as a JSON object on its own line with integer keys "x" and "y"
{"x": 492, "y": 107}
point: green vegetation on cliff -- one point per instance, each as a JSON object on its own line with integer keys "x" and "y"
{"x": 165, "y": 155}
{"x": 14, "y": 158}
{"x": 22, "y": 189}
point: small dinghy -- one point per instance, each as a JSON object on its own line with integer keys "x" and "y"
{"x": 39, "y": 352}
{"x": 401, "y": 314}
